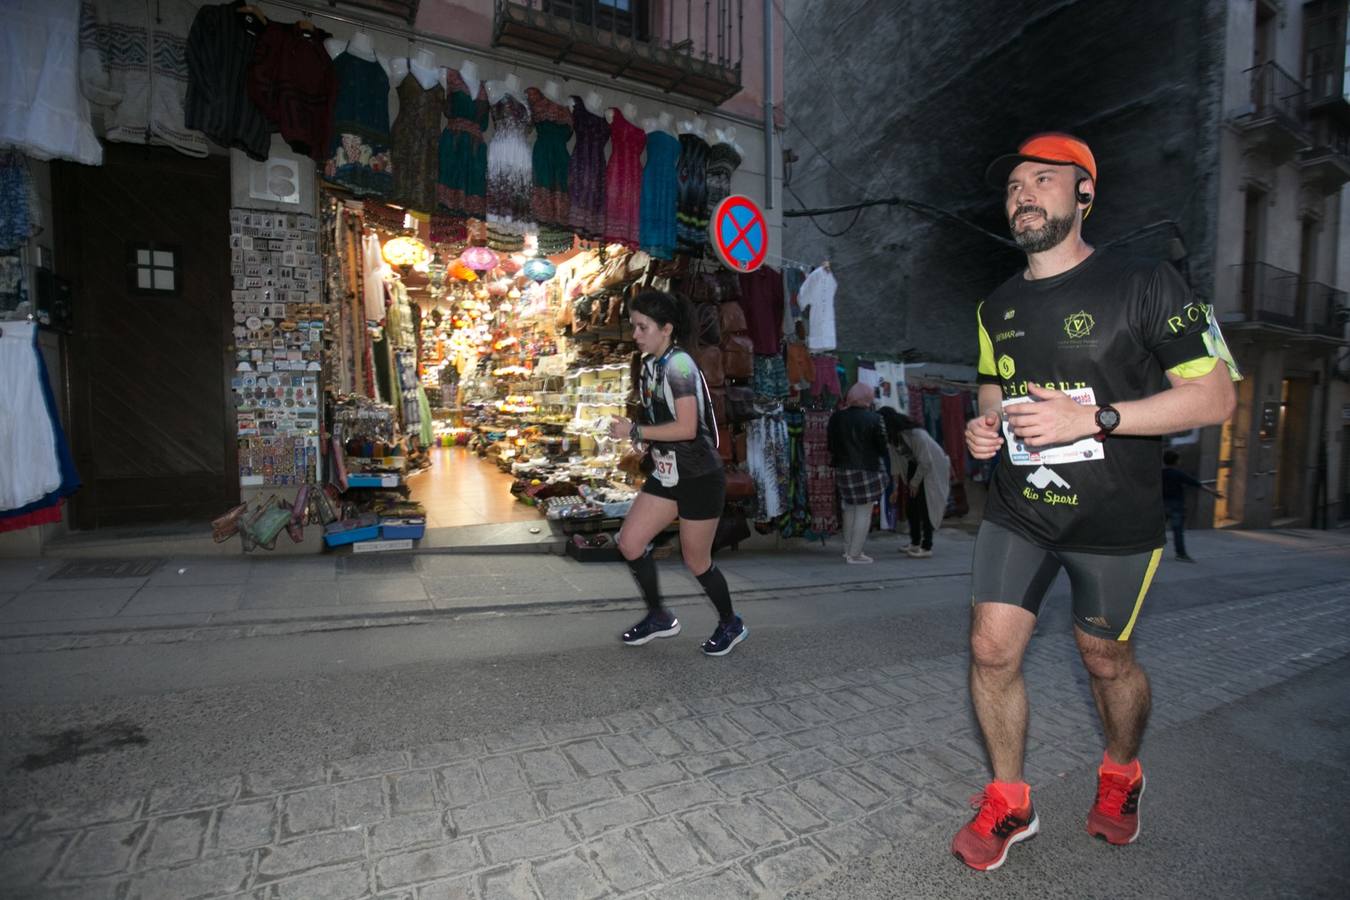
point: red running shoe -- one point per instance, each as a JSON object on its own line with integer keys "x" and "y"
{"x": 1115, "y": 816}
{"x": 983, "y": 842}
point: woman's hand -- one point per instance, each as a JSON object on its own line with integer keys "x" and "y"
{"x": 619, "y": 427}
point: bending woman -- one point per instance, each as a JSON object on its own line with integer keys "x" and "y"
{"x": 687, "y": 481}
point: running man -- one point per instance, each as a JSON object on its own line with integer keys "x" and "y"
{"x": 1086, "y": 358}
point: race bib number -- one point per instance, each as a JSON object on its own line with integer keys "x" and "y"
{"x": 1088, "y": 448}
{"x": 667, "y": 471}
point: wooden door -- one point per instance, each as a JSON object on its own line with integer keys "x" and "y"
{"x": 144, "y": 239}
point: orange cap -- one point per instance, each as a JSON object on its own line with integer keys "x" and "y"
{"x": 1054, "y": 147}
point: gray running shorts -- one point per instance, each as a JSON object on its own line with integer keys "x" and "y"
{"x": 1108, "y": 591}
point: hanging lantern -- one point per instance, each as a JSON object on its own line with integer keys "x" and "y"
{"x": 540, "y": 269}
{"x": 436, "y": 270}
{"x": 405, "y": 252}
{"x": 462, "y": 272}
{"x": 480, "y": 259}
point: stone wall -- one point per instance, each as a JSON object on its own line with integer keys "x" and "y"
{"x": 915, "y": 99}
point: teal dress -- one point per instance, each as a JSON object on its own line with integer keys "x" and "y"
{"x": 358, "y": 157}
{"x": 656, "y": 232}
{"x": 461, "y": 188}
{"x": 551, "y": 203}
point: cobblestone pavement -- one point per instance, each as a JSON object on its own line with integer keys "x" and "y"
{"x": 752, "y": 794}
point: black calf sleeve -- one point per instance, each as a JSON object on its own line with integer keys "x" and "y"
{"x": 715, "y": 586}
{"x": 648, "y": 580}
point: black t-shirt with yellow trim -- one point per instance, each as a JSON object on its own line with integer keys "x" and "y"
{"x": 1106, "y": 331}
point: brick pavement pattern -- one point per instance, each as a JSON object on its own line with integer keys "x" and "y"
{"x": 751, "y": 794}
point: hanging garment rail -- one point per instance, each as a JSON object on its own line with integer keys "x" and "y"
{"x": 519, "y": 60}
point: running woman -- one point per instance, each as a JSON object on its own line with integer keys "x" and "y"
{"x": 1086, "y": 358}
{"x": 686, "y": 482}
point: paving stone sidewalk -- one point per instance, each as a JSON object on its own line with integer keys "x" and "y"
{"x": 747, "y": 795}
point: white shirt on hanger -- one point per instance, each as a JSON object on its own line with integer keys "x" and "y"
{"x": 817, "y": 295}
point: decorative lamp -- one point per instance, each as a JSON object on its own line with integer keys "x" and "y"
{"x": 462, "y": 272}
{"x": 405, "y": 252}
{"x": 480, "y": 259}
{"x": 540, "y": 269}
{"x": 436, "y": 270}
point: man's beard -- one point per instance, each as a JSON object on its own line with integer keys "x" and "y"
{"x": 1039, "y": 240}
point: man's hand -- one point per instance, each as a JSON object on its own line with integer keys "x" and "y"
{"x": 1053, "y": 419}
{"x": 983, "y": 438}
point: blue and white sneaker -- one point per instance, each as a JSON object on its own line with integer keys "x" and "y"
{"x": 652, "y": 626}
{"x": 727, "y": 636}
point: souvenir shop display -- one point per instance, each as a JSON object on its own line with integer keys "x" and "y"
{"x": 279, "y": 333}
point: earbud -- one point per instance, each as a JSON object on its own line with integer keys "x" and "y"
{"x": 1083, "y": 196}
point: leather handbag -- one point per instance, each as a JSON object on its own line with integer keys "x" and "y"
{"x": 733, "y": 317}
{"x": 739, "y": 485}
{"x": 738, "y": 356}
{"x": 709, "y": 360}
{"x": 709, "y": 325}
{"x": 740, "y": 403}
{"x": 719, "y": 404}
{"x": 799, "y": 367}
{"x": 726, "y": 449}
{"x": 732, "y": 528}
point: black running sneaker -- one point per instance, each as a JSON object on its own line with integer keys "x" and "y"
{"x": 727, "y": 635}
{"x": 652, "y": 626}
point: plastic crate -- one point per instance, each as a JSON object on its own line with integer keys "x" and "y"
{"x": 349, "y": 531}
{"x": 359, "y": 480}
{"x": 394, "y": 529}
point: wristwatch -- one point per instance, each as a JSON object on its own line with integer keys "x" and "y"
{"x": 1108, "y": 420}
{"x": 635, "y": 433}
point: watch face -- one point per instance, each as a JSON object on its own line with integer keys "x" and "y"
{"x": 1108, "y": 418}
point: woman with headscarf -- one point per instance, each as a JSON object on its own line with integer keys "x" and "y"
{"x": 858, "y": 448}
{"x": 922, "y": 464}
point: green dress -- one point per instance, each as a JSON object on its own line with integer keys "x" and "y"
{"x": 461, "y": 187}
{"x": 551, "y": 203}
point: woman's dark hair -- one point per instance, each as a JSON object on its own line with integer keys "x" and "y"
{"x": 668, "y": 309}
{"x": 896, "y": 423}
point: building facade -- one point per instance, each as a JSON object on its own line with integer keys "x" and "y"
{"x": 162, "y": 449}
{"x": 1199, "y": 113}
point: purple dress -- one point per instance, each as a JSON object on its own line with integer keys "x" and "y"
{"x": 586, "y": 175}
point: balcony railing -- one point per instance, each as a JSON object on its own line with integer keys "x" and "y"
{"x": 1270, "y": 295}
{"x": 1276, "y": 94}
{"x": 1273, "y": 120}
{"x": 689, "y": 47}
{"x": 1327, "y": 308}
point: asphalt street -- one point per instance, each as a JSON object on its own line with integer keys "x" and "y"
{"x": 829, "y": 757}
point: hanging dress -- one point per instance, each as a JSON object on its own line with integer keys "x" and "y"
{"x": 510, "y": 171}
{"x": 692, "y": 191}
{"x": 358, "y": 157}
{"x": 723, "y": 161}
{"x": 552, "y": 131}
{"x": 462, "y": 184}
{"x": 623, "y": 182}
{"x": 413, "y": 155}
{"x": 586, "y": 173}
{"x": 657, "y": 228}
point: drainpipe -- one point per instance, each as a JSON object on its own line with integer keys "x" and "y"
{"x": 768, "y": 104}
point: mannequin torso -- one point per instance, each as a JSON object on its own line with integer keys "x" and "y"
{"x": 468, "y": 70}
{"x": 423, "y": 67}
{"x": 593, "y": 101}
{"x": 553, "y": 91}
{"x": 510, "y": 85}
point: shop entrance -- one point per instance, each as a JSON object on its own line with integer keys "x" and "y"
{"x": 1291, "y": 480}
{"x": 143, "y": 239}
